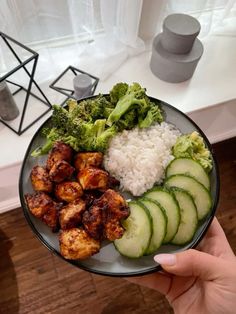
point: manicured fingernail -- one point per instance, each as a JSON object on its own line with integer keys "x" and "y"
{"x": 165, "y": 259}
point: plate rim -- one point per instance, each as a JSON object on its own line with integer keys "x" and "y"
{"x": 152, "y": 269}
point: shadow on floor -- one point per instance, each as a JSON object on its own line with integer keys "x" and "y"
{"x": 9, "y": 300}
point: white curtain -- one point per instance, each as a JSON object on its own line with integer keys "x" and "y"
{"x": 217, "y": 17}
{"x": 97, "y": 36}
{"x": 93, "y": 35}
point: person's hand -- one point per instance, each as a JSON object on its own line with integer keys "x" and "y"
{"x": 198, "y": 281}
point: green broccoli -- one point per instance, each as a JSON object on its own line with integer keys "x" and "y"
{"x": 89, "y": 124}
{"x": 102, "y": 140}
{"x": 128, "y": 121}
{"x": 192, "y": 146}
{"x": 135, "y": 97}
{"x": 89, "y": 109}
{"x": 96, "y": 136}
{"x": 153, "y": 115}
{"x": 118, "y": 91}
{"x": 60, "y": 117}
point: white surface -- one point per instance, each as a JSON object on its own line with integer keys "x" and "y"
{"x": 213, "y": 83}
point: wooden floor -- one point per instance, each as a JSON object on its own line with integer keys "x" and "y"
{"x": 32, "y": 280}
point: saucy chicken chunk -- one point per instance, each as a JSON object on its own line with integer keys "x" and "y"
{"x": 93, "y": 178}
{"x": 38, "y": 203}
{"x": 116, "y": 209}
{"x": 103, "y": 217}
{"x": 40, "y": 179}
{"x": 60, "y": 151}
{"x": 43, "y": 207}
{"x": 61, "y": 171}
{"x": 68, "y": 191}
{"x": 71, "y": 215}
{"x": 93, "y": 222}
{"x": 88, "y": 159}
{"x": 50, "y": 218}
{"x": 76, "y": 243}
{"x": 115, "y": 203}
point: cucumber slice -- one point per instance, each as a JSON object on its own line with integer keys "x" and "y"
{"x": 190, "y": 167}
{"x": 188, "y": 220}
{"x": 159, "y": 222}
{"x": 138, "y": 232}
{"x": 169, "y": 204}
{"x": 200, "y": 194}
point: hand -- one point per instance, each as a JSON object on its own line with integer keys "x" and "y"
{"x": 198, "y": 281}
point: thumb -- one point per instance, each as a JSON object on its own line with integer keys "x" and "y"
{"x": 192, "y": 263}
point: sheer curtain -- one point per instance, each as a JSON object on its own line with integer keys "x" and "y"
{"x": 217, "y": 17}
{"x": 99, "y": 35}
{"x": 93, "y": 35}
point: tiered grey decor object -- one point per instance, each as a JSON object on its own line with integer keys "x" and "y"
{"x": 177, "y": 50}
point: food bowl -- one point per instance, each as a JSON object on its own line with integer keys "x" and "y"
{"x": 109, "y": 261}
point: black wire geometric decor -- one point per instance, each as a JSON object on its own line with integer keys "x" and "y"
{"x": 26, "y": 64}
{"x": 65, "y": 84}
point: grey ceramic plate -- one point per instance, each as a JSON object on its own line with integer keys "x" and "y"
{"x": 108, "y": 261}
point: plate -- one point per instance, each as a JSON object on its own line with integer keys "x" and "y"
{"x": 108, "y": 261}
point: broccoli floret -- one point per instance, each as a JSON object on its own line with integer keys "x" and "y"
{"x": 102, "y": 140}
{"x": 192, "y": 146}
{"x": 60, "y": 117}
{"x": 153, "y": 115}
{"x": 135, "y": 97}
{"x": 128, "y": 121}
{"x": 89, "y": 109}
{"x": 118, "y": 91}
{"x": 96, "y": 137}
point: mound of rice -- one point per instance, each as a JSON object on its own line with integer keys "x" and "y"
{"x": 138, "y": 158}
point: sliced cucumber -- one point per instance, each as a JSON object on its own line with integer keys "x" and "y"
{"x": 200, "y": 194}
{"x": 168, "y": 202}
{"x": 188, "y": 220}
{"x": 159, "y": 222}
{"x": 138, "y": 232}
{"x": 190, "y": 167}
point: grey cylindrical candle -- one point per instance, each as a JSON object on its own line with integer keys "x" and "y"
{"x": 82, "y": 86}
{"x": 8, "y": 107}
{"x": 179, "y": 33}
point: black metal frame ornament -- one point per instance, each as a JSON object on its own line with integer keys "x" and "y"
{"x": 22, "y": 64}
{"x": 69, "y": 92}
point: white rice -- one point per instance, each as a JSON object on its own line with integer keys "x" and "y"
{"x": 138, "y": 158}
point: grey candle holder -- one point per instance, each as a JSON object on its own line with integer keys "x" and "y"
{"x": 177, "y": 50}
{"x": 11, "y": 116}
{"x": 77, "y": 89}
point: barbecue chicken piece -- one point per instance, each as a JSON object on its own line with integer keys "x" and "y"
{"x": 88, "y": 159}
{"x": 115, "y": 209}
{"x": 50, "y": 218}
{"x": 40, "y": 179}
{"x": 102, "y": 220}
{"x": 113, "y": 229}
{"x": 90, "y": 196}
{"x": 77, "y": 244}
{"x": 61, "y": 171}
{"x": 43, "y": 207}
{"x": 71, "y": 215}
{"x": 93, "y": 178}
{"x": 68, "y": 191}
{"x": 92, "y": 222}
{"x": 60, "y": 151}
{"x": 39, "y": 203}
